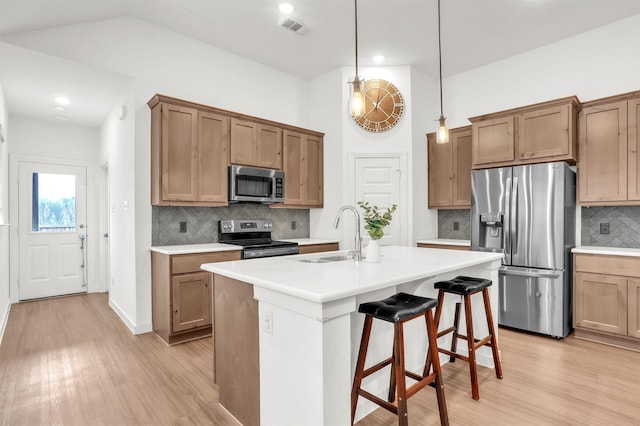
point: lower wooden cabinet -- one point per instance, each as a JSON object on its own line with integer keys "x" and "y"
{"x": 606, "y": 293}
{"x": 317, "y": 248}
{"x": 181, "y": 294}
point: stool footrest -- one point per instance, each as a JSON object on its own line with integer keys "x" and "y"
{"x": 425, "y": 381}
{"x": 381, "y": 402}
{"x": 378, "y": 366}
{"x": 454, "y": 354}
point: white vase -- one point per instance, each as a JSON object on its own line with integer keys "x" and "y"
{"x": 373, "y": 252}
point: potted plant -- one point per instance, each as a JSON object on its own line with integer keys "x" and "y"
{"x": 375, "y": 221}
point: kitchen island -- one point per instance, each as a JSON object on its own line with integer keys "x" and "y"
{"x": 292, "y": 323}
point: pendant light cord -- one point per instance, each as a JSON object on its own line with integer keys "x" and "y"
{"x": 356, "y": 10}
{"x": 439, "y": 58}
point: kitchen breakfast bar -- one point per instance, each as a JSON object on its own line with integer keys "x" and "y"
{"x": 287, "y": 329}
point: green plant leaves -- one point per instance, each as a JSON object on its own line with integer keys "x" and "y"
{"x": 375, "y": 221}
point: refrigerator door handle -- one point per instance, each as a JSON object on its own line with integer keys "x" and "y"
{"x": 507, "y": 222}
{"x": 532, "y": 274}
{"x": 513, "y": 226}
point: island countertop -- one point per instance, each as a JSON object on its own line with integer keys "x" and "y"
{"x": 326, "y": 282}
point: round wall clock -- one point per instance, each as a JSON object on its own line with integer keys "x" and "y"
{"x": 384, "y": 105}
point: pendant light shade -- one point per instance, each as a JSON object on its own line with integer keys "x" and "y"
{"x": 356, "y": 100}
{"x": 443, "y": 130}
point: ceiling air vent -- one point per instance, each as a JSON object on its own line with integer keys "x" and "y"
{"x": 292, "y": 25}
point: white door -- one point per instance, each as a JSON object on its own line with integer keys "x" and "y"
{"x": 378, "y": 182}
{"x": 51, "y": 229}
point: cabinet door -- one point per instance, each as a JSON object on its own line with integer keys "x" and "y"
{"x": 493, "y": 141}
{"x": 440, "y": 171}
{"x": 633, "y": 121}
{"x": 213, "y": 148}
{"x": 191, "y": 301}
{"x": 244, "y": 142}
{"x": 179, "y": 153}
{"x": 312, "y": 162}
{"x": 634, "y": 308}
{"x": 269, "y": 147}
{"x": 602, "y": 165}
{"x": 292, "y": 148}
{"x": 601, "y": 302}
{"x": 547, "y": 132}
{"x": 461, "y": 145}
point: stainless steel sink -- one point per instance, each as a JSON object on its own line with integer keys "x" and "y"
{"x": 327, "y": 259}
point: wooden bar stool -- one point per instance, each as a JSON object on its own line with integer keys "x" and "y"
{"x": 467, "y": 287}
{"x": 398, "y": 309}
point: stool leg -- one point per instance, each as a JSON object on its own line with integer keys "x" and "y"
{"x": 432, "y": 333}
{"x": 392, "y": 379}
{"x": 362, "y": 355}
{"x": 492, "y": 331}
{"x": 401, "y": 384}
{"x": 473, "y": 366}
{"x": 428, "y": 362}
{"x": 456, "y": 327}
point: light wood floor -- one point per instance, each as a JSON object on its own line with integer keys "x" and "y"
{"x": 71, "y": 361}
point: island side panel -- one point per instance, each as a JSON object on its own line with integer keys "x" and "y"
{"x": 236, "y": 349}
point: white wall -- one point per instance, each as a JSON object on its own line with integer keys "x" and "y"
{"x": 117, "y": 149}
{"x": 34, "y": 139}
{"x": 4, "y": 218}
{"x": 596, "y": 64}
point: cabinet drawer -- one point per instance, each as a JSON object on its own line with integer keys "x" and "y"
{"x": 443, "y": 246}
{"x": 615, "y": 265}
{"x": 318, "y": 248}
{"x": 185, "y": 263}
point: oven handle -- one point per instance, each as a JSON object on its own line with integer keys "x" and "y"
{"x": 270, "y": 252}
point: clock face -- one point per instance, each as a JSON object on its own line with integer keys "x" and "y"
{"x": 383, "y": 106}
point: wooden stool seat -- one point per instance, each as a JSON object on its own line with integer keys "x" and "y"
{"x": 398, "y": 309}
{"x": 467, "y": 287}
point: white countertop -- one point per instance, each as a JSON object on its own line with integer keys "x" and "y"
{"x": 310, "y": 241}
{"x": 194, "y": 248}
{"x": 611, "y": 251}
{"x": 325, "y": 282}
{"x": 447, "y": 242}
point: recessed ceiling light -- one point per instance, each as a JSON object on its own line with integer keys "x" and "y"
{"x": 285, "y": 7}
{"x": 62, "y": 118}
{"x": 63, "y": 100}
{"x": 378, "y": 59}
{"x": 59, "y": 108}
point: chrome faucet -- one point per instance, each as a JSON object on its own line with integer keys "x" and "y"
{"x": 358, "y": 241}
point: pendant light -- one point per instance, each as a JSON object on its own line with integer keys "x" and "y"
{"x": 443, "y": 131}
{"x": 356, "y": 101}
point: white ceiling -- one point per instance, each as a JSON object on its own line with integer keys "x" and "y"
{"x": 474, "y": 33}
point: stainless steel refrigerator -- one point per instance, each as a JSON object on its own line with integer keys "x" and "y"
{"x": 528, "y": 213}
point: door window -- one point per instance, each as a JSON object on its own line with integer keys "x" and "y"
{"x": 53, "y": 203}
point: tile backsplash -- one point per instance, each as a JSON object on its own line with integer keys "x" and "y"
{"x": 624, "y": 226}
{"x": 447, "y": 220}
{"x": 202, "y": 222}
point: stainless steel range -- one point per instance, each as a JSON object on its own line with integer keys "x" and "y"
{"x": 255, "y": 238}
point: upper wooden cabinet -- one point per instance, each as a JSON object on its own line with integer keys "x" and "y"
{"x": 189, "y": 155}
{"x": 256, "y": 144}
{"x": 192, "y": 146}
{"x": 538, "y": 133}
{"x": 608, "y": 166}
{"x": 303, "y": 170}
{"x": 449, "y": 170}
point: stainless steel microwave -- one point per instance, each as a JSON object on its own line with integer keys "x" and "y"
{"x": 255, "y": 185}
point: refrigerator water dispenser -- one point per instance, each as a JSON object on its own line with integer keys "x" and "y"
{"x": 491, "y": 227}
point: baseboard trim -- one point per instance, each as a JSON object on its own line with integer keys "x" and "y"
{"x": 135, "y": 329}
{"x": 5, "y": 320}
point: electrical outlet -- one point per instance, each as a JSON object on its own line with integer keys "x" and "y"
{"x": 604, "y": 228}
{"x": 293, "y": 225}
{"x": 183, "y": 227}
{"x": 267, "y": 324}
{"x": 456, "y": 226}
